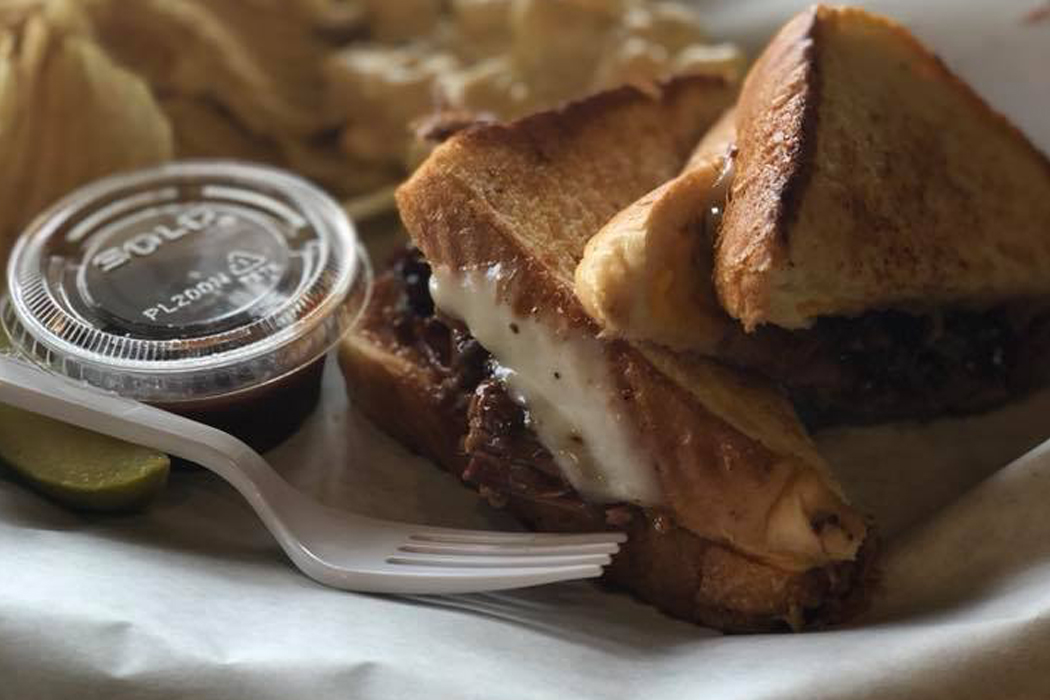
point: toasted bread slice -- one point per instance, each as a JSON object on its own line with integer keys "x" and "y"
{"x": 869, "y": 177}
{"x": 502, "y": 214}
{"x": 401, "y": 375}
{"x": 648, "y": 273}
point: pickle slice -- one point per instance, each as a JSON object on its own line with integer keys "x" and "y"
{"x": 76, "y": 467}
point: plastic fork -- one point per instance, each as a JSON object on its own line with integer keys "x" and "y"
{"x": 333, "y": 547}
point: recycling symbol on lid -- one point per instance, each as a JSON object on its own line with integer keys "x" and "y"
{"x": 242, "y": 262}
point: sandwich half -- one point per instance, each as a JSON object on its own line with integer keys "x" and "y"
{"x": 863, "y": 230}
{"x": 476, "y": 352}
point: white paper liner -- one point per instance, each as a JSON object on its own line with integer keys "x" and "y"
{"x": 193, "y": 599}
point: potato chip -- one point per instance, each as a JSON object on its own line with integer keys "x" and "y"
{"x": 68, "y": 113}
{"x": 241, "y": 78}
{"x": 508, "y": 58}
{"x": 88, "y": 87}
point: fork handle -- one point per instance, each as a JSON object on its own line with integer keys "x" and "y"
{"x": 35, "y": 390}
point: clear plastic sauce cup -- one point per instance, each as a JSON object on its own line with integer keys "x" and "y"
{"x": 213, "y": 289}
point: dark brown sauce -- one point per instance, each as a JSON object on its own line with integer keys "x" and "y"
{"x": 263, "y": 416}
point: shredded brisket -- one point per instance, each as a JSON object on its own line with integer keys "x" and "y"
{"x": 892, "y": 365}
{"x": 505, "y": 456}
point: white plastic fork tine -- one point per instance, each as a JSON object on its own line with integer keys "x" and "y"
{"x": 475, "y": 562}
{"x": 440, "y": 535}
{"x": 504, "y": 550}
{"x": 428, "y": 580}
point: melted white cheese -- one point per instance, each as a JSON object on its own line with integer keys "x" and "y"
{"x": 563, "y": 380}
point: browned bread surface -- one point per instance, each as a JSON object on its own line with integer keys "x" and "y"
{"x": 868, "y": 176}
{"x": 561, "y": 173}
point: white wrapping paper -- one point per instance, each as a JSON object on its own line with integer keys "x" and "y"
{"x": 194, "y": 600}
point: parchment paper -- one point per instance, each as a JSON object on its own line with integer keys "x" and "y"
{"x": 194, "y": 600}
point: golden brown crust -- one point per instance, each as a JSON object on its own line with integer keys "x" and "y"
{"x": 723, "y": 483}
{"x": 647, "y": 274}
{"x": 453, "y": 191}
{"x": 896, "y": 192}
{"x": 777, "y": 114}
{"x": 527, "y": 197}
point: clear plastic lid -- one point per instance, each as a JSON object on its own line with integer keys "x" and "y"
{"x": 186, "y": 281}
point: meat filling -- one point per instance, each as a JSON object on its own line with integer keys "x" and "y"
{"x": 505, "y": 456}
{"x": 892, "y": 365}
